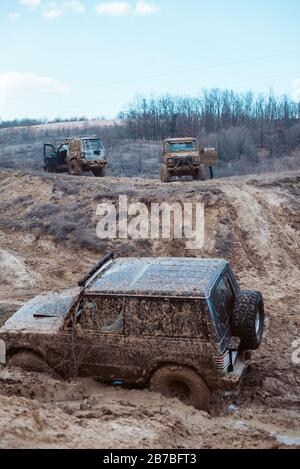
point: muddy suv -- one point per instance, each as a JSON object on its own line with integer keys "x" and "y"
{"x": 184, "y": 157}
{"x": 181, "y": 326}
{"x": 76, "y": 155}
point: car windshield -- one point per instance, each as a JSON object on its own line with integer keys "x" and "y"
{"x": 182, "y": 146}
{"x": 93, "y": 145}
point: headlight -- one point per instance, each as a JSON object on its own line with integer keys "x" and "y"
{"x": 196, "y": 159}
{"x": 170, "y": 160}
{"x": 2, "y": 352}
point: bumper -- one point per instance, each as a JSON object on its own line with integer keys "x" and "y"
{"x": 94, "y": 164}
{"x": 232, "y": 379}
{"x": 183, "y": 169}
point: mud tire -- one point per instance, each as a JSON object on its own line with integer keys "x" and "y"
{"x": 99, "y": 172}
{"x": 183, "y": 383}
{"x": 29, "y": 361}
{"x": 201, "y": 173}
{"x": 74, "y": 168}
{"x": 248, "y": 319}
{"x": 164, "y": 174}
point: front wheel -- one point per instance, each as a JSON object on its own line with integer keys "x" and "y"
{"x": 200, "y": 174}
{"x": 99, "y": 172}
{"x": 29, "y": 361}
{"x": 164, "y": 174}
{"x": 183, "y": 383}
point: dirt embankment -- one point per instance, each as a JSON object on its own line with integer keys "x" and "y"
{"x": 47, "y": 241}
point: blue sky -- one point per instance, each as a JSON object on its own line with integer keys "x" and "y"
{"x": 91, "y": 57}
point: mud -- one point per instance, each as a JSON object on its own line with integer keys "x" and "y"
{"x": 254, "y": 222}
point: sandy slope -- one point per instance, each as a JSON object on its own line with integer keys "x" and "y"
{"x": 254, "y": 222}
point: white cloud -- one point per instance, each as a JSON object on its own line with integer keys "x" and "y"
{"x": 51, "y": 9}
{"x": 113, "y": 8}
{"x": 296, "y": 89}
{"x": 121, "y": 8}
{"x": 74, "y": 6}
{"x": 146, "y": 8}
{"x": 30, "y": 3}
{"x": 52, "y": 13}
{"x": 15, "y": 85}
{"x": 13, "y": 16}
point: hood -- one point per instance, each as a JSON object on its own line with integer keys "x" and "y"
{"x": 43, "y": 313}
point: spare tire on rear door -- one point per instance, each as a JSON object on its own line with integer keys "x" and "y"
{"x": 183, "y": 383}
{"x": 248, "y": 319}
{"x": 74, "y": 168}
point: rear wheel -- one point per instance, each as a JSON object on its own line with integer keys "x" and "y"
{"x": 74, "y": 168}
{"x": 183, "y": 383}
{"x": 99, "y": 172}
{"x": 164, "y": 174}
{"x": 29, "y": 361}
{"x": 248, "y": 319}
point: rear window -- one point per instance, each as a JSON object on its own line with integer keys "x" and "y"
{"x": 167, "y": 318}
{"x": 92, "y": 145}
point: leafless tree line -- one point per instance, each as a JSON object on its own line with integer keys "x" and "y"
{"x": 240, "y": 124}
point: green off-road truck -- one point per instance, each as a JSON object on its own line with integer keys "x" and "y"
{"x": 181, "y": 326}
{"x": 185, "y": 157}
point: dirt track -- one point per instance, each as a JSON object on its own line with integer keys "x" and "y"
{"x": 254, "y": 222}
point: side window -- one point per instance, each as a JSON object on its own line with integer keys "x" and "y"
{"x": 148, "y": 317}
{"x": 187, "y": 318}
{"x": 102, "y": 314}
{"x": 164, "y": 318}
{"x": 63, "y": 150}
{"x": 223, "y": 299}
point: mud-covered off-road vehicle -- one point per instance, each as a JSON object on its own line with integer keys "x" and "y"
{"x": 181, "y": 326}
{"x": 185, "y": 157}
{"x": 76, "y": 154}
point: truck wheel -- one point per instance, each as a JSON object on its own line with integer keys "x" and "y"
{"x": 99, "y": 172}
{"x": 74, "y": 168}
{"x": 183, "y": 383}
{"x": 196, "y": 175}
{"x": 164, "y": 174}
{"x": 201, "y": 173}
{"x": 248, "y": 319}
{"x": 29, "y": 361}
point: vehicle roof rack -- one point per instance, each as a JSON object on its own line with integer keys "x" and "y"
{"x": 94, "y": 269}
{"x": 80, "y": 137}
